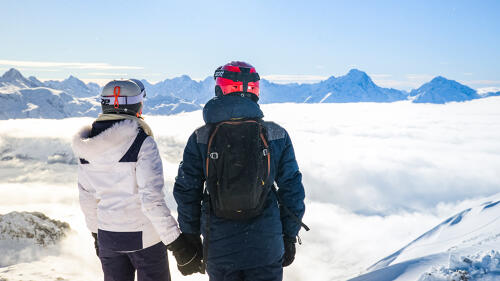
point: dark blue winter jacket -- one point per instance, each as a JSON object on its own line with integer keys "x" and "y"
{"x": 240, "y": 244}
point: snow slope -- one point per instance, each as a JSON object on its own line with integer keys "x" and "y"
{"x": 377, "y": 175}
{"x": 447, "y": 248}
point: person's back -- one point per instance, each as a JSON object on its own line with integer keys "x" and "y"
{"x": 120, "y": 181}
{"x": 244, "y": 249}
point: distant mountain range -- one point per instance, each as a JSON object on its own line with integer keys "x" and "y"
{"x": 355, "y": 86}
{"x": 22, "y": 97}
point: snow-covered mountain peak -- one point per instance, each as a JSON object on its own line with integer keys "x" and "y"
{"x": 185, "y": 77}
{"x": 35, "y": 81}
{"x": 357, "y": 77}
{"x": 178, "y": 80}
{"x": 357, "y": 74}
{"x": 440, "y": 79}
{"x": 442, "y": 90}
{"x": 72, "y": 78}
{"x": 74, "y": 87}
{"x": 14, "y": 77}
{"x": 73, "y": 81}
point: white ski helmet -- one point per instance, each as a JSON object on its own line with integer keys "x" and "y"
{"x": 123, "y": 96}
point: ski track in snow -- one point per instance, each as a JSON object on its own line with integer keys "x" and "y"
{"x": 377, "y": 176}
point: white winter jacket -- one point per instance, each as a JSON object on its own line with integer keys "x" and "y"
{"x": 119, "y": 196}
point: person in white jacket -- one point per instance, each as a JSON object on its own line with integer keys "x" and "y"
{"x": 120, "y": 182}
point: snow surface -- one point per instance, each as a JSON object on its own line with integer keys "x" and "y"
{"x": 484, "y": 266}
{"x": 449, "y": 249}
{"x": 377, "y": 176}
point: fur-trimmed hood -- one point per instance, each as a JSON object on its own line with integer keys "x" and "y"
{"x": 108, "y": 146}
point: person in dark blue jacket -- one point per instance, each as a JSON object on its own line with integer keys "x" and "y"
{"x": 254, "y": 249}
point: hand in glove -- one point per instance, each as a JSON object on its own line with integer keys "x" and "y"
{"x": 188, "y": 251}
{"x": 289, "y": 255}
{"x": 96, "y": 245}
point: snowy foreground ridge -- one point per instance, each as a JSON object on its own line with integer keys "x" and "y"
{"x": 33, "y": 226}
{"x": 28, "y": 233}
{"x": 463, "y": 247}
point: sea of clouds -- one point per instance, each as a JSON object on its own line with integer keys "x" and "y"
{"x": 376, "y": 177}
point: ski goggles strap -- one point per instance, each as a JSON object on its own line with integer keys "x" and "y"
{"x": 237, "y": 76}
{"x": 107, "y": 100}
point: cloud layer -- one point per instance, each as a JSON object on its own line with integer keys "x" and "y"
{"x": 66, "y": 65}
{"x": 376, "y": 177}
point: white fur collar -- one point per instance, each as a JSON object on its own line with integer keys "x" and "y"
{"x": 108, "y": 146}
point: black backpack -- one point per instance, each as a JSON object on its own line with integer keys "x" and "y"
{"x": 237, "y": 169}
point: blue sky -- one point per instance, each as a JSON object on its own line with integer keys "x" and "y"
{"x": 401, "y": 44}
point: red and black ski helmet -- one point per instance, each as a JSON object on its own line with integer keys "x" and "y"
{"x": 237, "y": 77}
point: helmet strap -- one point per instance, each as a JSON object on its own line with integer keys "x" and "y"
{"x": 218, "y": 91}
{"x": 116, "y": 93}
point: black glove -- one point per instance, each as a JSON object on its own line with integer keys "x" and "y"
{"x": 188, "y": 251}
{"x": 289, "y": 255}
{"x": 96, "y": 245}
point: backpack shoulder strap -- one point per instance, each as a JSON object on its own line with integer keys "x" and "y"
{"x": 209, "y": 144}
{"x": 133, "y": 151}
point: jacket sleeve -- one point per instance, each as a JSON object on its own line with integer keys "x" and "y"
{"x": 291, "y": 190}
{"x": 149, "y": 174}
{"x": 188, "y": 188}
{"x": 88, "y": 200}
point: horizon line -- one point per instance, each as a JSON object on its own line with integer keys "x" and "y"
{"x": 290, "y": 79}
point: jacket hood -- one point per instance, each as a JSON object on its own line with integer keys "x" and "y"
{"x": 226, "y": 108}
{"x": 108, "y": 146}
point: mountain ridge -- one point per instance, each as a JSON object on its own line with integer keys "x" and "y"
{"x": 183, "y": 94}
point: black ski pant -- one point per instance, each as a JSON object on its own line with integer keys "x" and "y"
{"x": 272, "y": 272}
{"x": 151, "y": 264}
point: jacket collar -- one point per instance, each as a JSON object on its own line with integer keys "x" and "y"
{"x": 226, "y": 108}
{"x": 117, "y": 116}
